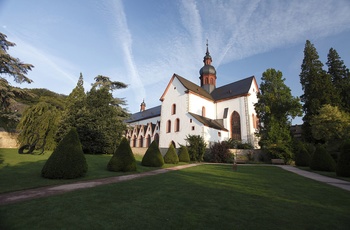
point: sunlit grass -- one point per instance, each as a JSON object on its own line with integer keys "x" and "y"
{"x": 22, "y": 171}
{"x": 202, "y": 197}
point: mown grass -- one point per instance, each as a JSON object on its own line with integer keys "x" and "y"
{"x": 201, "y": 197}
{"x": 22, "y": 171}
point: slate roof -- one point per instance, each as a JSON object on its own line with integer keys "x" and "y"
{"x": 193, "y": 87}
{"x": 208, "y": 122}
{"x": 146, "y": 114}
{"x": 234, "y": 89}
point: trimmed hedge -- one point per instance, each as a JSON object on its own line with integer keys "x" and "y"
{"x": 123, "y": 159}
{"x": 153, "y": 157}
{"x": 67, "y": 161}
{"x": 183, "y": 154}
{"x": 322, "y": 160}
{"x": 171, "y": 156}
{"x": 343, "y": 165}
{"x": 302, "y": 155}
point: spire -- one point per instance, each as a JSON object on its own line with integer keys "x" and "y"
{"x": 143, "y": 106}
{"x": 208, "y": 73}
{"x": 207, "y": 58}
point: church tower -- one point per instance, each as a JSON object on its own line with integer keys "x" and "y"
{"x": 208, "y": 73}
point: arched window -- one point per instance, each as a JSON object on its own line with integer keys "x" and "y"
{"x": 177, "y": 125}
{"x": 203, "y": 111}
{"x": 168, "y": 126}
{"x": 141, "y": 142}
{"x": 156, "y": 138}
{"x": 235, "y": 126}
{"x": 173, "y": 109}
{"x": 148, "y": 140}
{"x": 206, "y": 81}
{"x": 134, "y": 141}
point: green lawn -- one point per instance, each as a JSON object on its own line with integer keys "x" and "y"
{"x": 22, "y": 171}
{"x": 201, "y": 197}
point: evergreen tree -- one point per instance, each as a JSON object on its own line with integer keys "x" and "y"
{"x": 15, "y": 68}
{"x": 123, "y": 159}
{"x": 275, "y": 107}
{"x": 10, "y": 65}
{"x": 41, "y": 121}
{"x": 74, "y": 110}
{"x": 103, "y": 120}
{"x": 340, "y": 77}
{"x": 171, "y": 156}
{"x": 153, "y": 156}
{"x": 196, "y": 147}
{"x": 317, "y": 86}
{"x": 67, "y": 160}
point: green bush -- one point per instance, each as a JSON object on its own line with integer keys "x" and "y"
{"x": 343, "y": 165}
{"x": 196, "y": 147}
{"x": 219, "y": 153}
{"x": 171, "y": 156}
{"x": 301, "y": 155}
{"x": 123, "y": 159}
{"x": 153, "y": 157}
{"x": 322, "y": 160}
{"x": 67, "y": 161}
{"x": 183, "y": 154}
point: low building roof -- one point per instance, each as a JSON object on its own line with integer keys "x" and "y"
{"x": 146, "y": 114}
{"x": 208, "y": 122}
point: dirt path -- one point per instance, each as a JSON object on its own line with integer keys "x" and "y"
{"x": 18, "y": 196}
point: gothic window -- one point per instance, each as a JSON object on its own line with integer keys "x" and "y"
{"x": 173, "y": 109}
{"x": 156, "y": 138}
{"x": 134, "y": 141}
{"x": 177, "y": 125}
{"x": 235, "y": 126}
{"x": 168, "y": 127}
{"x": 148, "y": 140}
{"x": 203, "y": 111}
{"x": 141, "y": 141}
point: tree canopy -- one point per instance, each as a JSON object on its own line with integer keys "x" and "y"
{"x": 314, "y": 80}
{"x": 10, "y": 65}
{"x": 275, "y": 108}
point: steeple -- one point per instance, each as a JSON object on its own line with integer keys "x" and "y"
{"x": 208, "y": 73}
{"x": 143, "y": 106}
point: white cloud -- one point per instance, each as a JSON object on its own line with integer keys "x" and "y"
{"x": 119, "y": 27}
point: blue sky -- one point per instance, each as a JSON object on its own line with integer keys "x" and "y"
{"x": 143, "y": 42}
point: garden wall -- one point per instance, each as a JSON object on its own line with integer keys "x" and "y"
{"x": 8, "y": 140}
{"x": 248, "y": 155}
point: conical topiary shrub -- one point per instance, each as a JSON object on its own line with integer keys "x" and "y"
{"x": 171, "y": 156}
{"x": 153, "y": 157}
{"x": 302, "y": 156}
{"x": 343, "y": 165}
{"x": 123, "y": 159}
{"x": 183, "y": 154}
{"x": 322, "y": 160}
{"x": 67, "y": 161}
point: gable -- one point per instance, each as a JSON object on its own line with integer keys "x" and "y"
{"x": 189, "y": 86}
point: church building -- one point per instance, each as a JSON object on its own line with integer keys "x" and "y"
{"x": 214, "y": 113}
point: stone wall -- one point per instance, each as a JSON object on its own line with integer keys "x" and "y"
{"x": 248, "y": 155}
{"x": 8, "y": 140}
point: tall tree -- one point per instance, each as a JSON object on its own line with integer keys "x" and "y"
{"x": 10, "y": 65}
{"x": 13, "y": 67}
{"x": 317, "y": 86}
{"x": 41, "y": 121}
{"x": 103, "y": 122}
{"x": 340, "y": 77}
{"x": 275, "y": 108}
{"x": 74, "y": 110}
